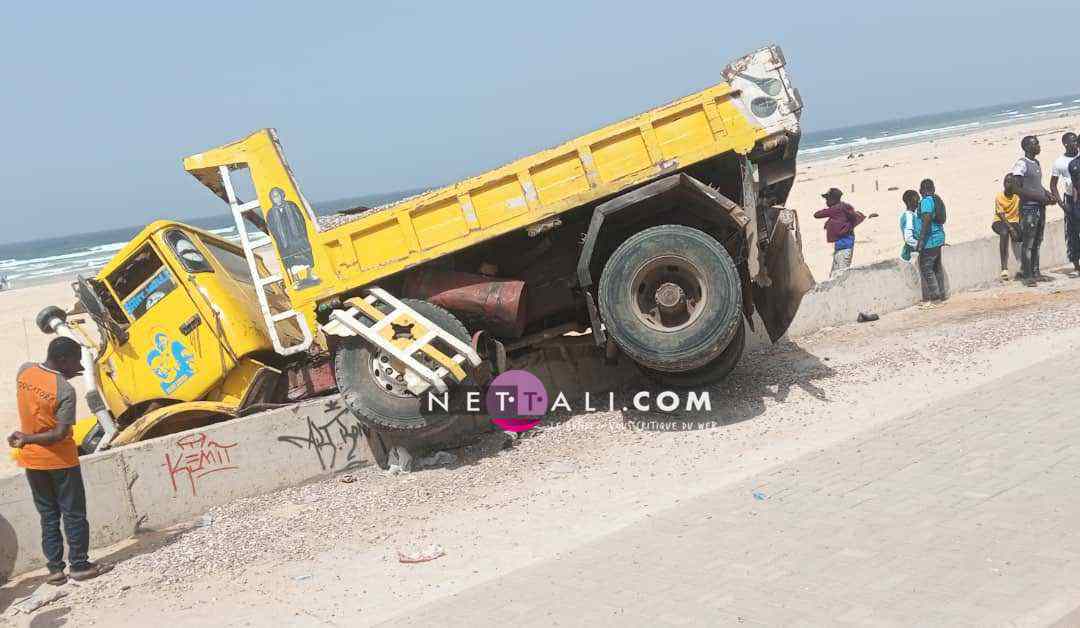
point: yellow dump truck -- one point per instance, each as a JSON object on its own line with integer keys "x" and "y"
{"x": 659, "y": 234}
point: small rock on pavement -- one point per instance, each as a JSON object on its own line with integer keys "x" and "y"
{"x": 412, "y": 556}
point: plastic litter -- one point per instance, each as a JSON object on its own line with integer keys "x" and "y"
{"x": 421, "y": 556}
{"x": 399, "y": 461}
{"x": 43, "y": 595}
{"x": 758, "y": 495}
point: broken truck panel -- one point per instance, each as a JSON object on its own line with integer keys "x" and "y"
{"x": 789, "y": 278}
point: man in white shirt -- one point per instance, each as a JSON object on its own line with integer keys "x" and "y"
{"x": 1067, "y": 195}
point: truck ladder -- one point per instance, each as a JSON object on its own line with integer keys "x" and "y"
{"x": 351, "y": 322}
{"x": 263, "y": 283}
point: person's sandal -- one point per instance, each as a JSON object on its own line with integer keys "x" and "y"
{"x": 1004, "y": 275}
{"x": 93, "y": 571}
{"x": 57, "y": 578}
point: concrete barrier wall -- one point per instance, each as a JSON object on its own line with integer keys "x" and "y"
{"x": 176, "y": 478}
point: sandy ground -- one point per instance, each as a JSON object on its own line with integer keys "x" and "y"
{"x": 325, "y": 552}
{"x": 968, "y": 170}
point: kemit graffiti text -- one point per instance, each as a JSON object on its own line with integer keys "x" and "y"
{"x": 198, "y": 457}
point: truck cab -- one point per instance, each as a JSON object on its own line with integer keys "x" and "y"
{"x": 180, "y": 340}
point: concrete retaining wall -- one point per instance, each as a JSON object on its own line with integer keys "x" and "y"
{"x": 177, "y": 478}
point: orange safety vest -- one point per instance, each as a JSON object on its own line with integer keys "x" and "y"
{"x": 39, "y": 392}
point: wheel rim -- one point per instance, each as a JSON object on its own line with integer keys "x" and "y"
{"x": 668, "y": 293}
{"x": 389, "y": 375}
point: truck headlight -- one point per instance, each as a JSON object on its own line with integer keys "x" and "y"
{"x": 771, "y": 86}
{"x": 763, "y": 107}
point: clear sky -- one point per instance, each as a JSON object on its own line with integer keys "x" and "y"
{"x": 102, "y": 100}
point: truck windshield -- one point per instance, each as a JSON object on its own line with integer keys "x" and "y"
{"x": 189, "y": 255}
{"x": 232, "y": 260}
{"x": 141, "y": 281}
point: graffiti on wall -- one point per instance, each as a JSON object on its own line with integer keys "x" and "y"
{"x": 334, "y": 439}
{"x": 198, "y": 456}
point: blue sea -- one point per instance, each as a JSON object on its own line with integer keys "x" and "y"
{"x": 40, "y": 261}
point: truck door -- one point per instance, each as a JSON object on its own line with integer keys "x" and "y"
{"x": 171, "y": 352}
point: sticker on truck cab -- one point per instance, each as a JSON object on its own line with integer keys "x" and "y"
{"x": 171, "y": 361}
{"x": 146, "y": 297}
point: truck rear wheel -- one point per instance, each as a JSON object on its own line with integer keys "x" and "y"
{"x": 671, "y": 298}
{"x": 711, "y": 373}
{"x": 374, "y": 388}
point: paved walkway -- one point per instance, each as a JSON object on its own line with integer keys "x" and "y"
{"x": 966, "y": 516}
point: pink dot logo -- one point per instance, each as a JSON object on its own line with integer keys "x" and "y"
{"x": 516, "y": 401}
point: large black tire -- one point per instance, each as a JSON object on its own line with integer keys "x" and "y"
{"x": 704, "y": 273}
{"x": 374, "y": 406}
{"x": 711, "y": 373}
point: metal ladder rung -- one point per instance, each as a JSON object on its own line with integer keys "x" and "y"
{"x": 453, "y": 341}
{"x": 421, "y": 341}
{"x": 270, "y": 279}
{"x": 248, "y": 206}
{"x": 281, "y": 316}
{"x": 386, "y": 321}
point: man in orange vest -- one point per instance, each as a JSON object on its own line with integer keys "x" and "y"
{"x": 47, "y": 451}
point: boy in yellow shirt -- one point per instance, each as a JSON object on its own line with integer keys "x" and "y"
{"x": 1007, "y": 221}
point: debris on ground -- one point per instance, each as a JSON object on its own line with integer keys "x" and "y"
{"x": 437, "y": 459}
{"x": 348, "y": 478}
{"x": 205, "y": 521}
{"x": 865, "y": 317}
{"x": 423, "y": 556}
{"x": 399, "y": 461}
{"x": 301, "y": 577}
{"x": 758, "y": 495}
{"x": 43, "y": 595}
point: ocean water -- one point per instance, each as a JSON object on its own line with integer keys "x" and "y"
{"x": 832, "y": 142}
{"x": 39, "y": 261}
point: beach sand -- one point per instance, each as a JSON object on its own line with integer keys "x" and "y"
{"x": 967, "y": 168}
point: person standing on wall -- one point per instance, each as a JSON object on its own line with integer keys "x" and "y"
{"x": 1067, "y": 197}
{"x": 1033, "y": 201}
{"x": 47, "y": 451}
{"x": 840, "y": 223}
{"x": 930, "y": 231}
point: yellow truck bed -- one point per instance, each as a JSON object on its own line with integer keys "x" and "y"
{"x": 358, "y": 252}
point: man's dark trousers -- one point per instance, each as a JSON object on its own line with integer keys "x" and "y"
{"x": 60, "y": 494}
{"x": 1072, "y": 228}
{"x": 1032, "y": 226}
{"x": 933, "y": 274}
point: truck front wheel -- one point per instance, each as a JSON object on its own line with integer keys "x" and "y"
{"x": 671, "y": 299}
{"x": 372, "y": 384}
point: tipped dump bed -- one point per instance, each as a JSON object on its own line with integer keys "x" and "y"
{"x": 364, "y": 247}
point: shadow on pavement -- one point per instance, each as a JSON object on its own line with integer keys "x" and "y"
{"x": 760, "y": 378}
